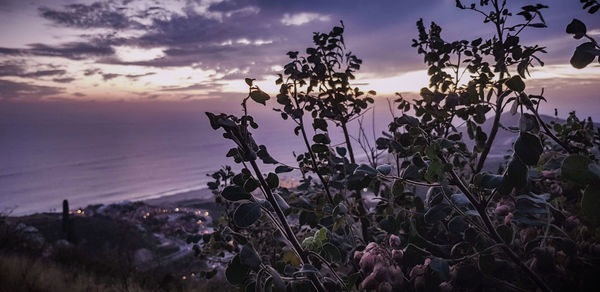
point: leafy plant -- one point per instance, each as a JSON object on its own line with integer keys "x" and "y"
{"x": 584, "y": 53}
{"x": 442, "y": 217}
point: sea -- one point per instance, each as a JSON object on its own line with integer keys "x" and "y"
{"x": 101, "y": 152}
{"x": 110, "y": 152}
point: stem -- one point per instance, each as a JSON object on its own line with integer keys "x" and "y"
{"x": 549, "y": 133}
{"x": 362, "y": 211}
{"x": 348, "y": 144}
{"x": 310, "y": 152}
{"x": 288, "y": 230}
{"x": 499, "y": 99}
{"x": 493, "y": 233}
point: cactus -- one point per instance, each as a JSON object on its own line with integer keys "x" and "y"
{"x": 66, "y": 223}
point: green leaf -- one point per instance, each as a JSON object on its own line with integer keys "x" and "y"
{"x": 365, "y": 169}
{"x": 397, "y": 188}
{"x": 515, "y": 83}
{"x": 249, "y": 257}
{"x": 435, "y": 171}
{"x": 575, "y": 168}
{"x": 528, "y": 148}
{"x": 584, "y": 55}
{"x": 236, "y": 273}
{"x": 259, "y": 96}
{"x": 272, "y": 180}
{"x": 321, "y": 235}
{"x": 235, "y": 193}
{"x": 590, "y": 203}
{"x": 577, "y": 28}
{"x": 246, "y": 214}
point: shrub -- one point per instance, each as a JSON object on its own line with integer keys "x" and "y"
{"x": 442, "y": 220}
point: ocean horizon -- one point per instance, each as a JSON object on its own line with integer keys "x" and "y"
{"x": 99, "y": 153}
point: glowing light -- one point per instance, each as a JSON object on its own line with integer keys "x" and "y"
{"x": 176, "y": 209}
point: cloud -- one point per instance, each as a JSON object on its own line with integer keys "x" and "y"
{"x": 95, "y": 15}
{"x": 19, "y": 90}
{"x": 64, "y": 80}
{"x": 199, "y": 86}
{"x": 90, "y": 72}
{"x": 109, "y": 76}
{"x": 17, "y": 69}
{"x": 136, "y": 76}
{"x": 303, "y": 18}
{"x": 71, "y": 50}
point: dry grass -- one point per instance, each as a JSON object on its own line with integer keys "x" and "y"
{"x": 20, "y": 273}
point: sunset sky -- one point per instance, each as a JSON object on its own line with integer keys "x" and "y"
{"x": 196, "y": 49}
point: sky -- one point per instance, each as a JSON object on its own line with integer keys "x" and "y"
{"x": 180, "y": 50}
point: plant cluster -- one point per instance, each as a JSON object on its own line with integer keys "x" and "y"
{"x": 444, "y": 217}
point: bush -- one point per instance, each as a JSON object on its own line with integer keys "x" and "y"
{"x": 442, "y": 220}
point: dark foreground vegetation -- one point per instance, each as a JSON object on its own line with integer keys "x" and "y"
{"x": 120, "y": 247}
{"x": 427, "y": 210}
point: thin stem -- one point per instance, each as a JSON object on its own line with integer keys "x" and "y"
{"x": 310, "y": 152}
{"x": 493, "y": 233}
{"x": 348, "y": 143}
{"x": 289, "y": 234}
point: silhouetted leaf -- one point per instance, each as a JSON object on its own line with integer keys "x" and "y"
{"x": 259, "y": 96}
{"x": 246, "y": 214}
{"x": 577, "y": 28}
{"x": 384, "y": 169}
{"x": 584, "y": 55}
{"x": 283, "y": 169}
{"x": 528, "y": 148}
{"x": 249, "y": 257}
{"x": 397, "y": 188}
{"x": 516, "y": 174}
{"x": 440, "y": 266}
{"x": 515, "y": 83}
{"x": 575, "y": 168}
{"x": 272, "y": 180}
{"x": 236, "y": 273}
{"x": 235, "y": 193}
{"x": 365, "y": 169}
{"x": 590, "y": 203}
{"x": 437, "y": 213}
